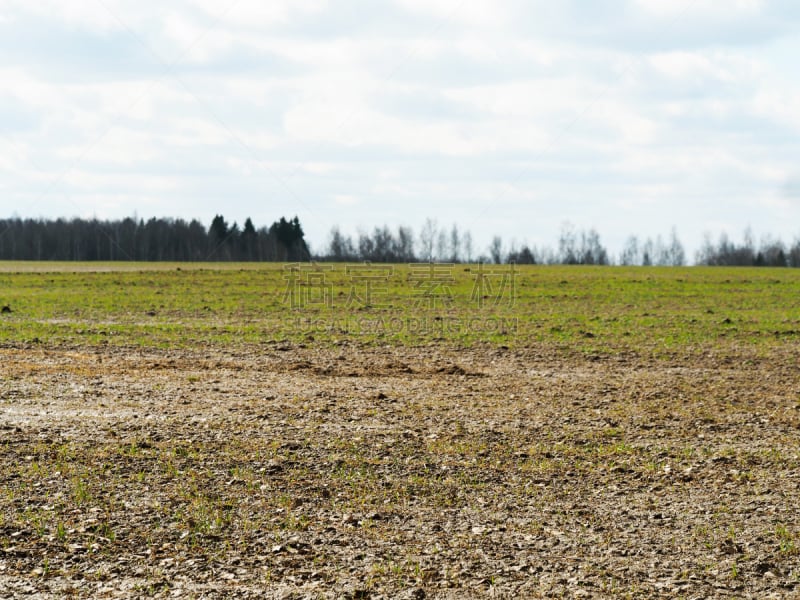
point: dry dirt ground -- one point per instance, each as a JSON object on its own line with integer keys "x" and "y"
{"x": 384, "y": 472}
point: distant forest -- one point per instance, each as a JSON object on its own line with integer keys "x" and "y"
{"x": 153, "y": 240}
{"x": 573, "y": 247}
{"x": 133, "y": 239}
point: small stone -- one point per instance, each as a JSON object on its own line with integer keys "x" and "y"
{"x": 478, "y": 530}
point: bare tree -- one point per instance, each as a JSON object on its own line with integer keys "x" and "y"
{"x": 773, "y": 252}
{"x": 705, "y": 255}
{"x": 567, "y": 245}
{"x": 427, "y": 240}
{"x": 648, "y": 250}
{"x": 455, "y": 244}
{"x": 677, "y": 255}
{"x": 523, "y": 256}
{"x": 441, "y": 245}
{"x": 383, "y": 245}
{"x": 468, "y": 246}
{"x": 366, "y": 246}
{"x": 496, "y": 250}
{"x": 592, "y": 251}
{"x": 794, "y": 254}
{"x": 340, "y": 247}
{"x": 749, "y": 242}
{"x": 405, "y": 244}
{"x": 630, "y": 253}
{"x": 661, "y": 256}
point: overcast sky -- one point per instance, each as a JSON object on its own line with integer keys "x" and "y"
{"x": 505, "y": 116}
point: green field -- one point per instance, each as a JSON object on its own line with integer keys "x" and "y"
{"x": 248, "y": 431}
{"x": 595, "y": 310}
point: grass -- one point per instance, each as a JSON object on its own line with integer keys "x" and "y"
{"x": 575, "y": 457}
{"x": 589, "y": 310}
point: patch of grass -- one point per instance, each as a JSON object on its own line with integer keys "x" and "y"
{"x": 787, "y": 540}
{"x": 588, "y": 310}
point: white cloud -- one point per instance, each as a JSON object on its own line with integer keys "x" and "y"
{"x": 473, "y": 12}
{"x": 779, "y": 106}
{"x": 498, "y": 113}
{"x": 77, "y": 13}
{"x": 250, "y": 14}
{"x": 346, "y": 199}
{"x": 88, "y": 181}
{"x": 791, "y": 187}
{"x": 695, "y": 66}
{"x": 706, "y": 8}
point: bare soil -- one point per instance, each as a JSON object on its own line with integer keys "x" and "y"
{"x": 283, "y": 471}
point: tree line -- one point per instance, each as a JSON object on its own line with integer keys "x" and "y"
{"x": 134, "y": 239}
{"x": 153, "y": 240}
{"x": 574, "y": 247}
{"x": 450, "y": 244}
{"x": 769, "y": 252}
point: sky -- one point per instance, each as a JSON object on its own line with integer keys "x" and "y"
{"x": 505, "y": 117}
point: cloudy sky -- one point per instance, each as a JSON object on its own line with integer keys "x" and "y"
{"x": 505, "y": 116}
